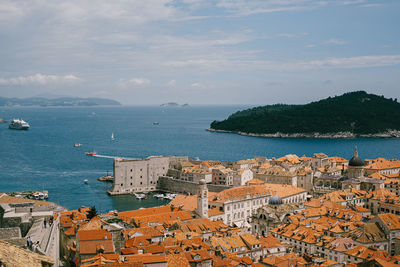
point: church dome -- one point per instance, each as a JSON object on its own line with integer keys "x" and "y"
{"x": 355, "y": 160}
{"x": 275, "y": 200}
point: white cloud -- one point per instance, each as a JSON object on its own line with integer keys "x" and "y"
{"x": 250, "y": 7}
{"x": 139, "y": 81}
{"x": 335, "y": 41}
{"x": 41, "y": 79}
{"x": 135, "y": 82}
{"x": 195, "y": 85}
{"x": 372, "y": 5}
{"x": 327, "y": 63}
{"x": 171, "y": 83}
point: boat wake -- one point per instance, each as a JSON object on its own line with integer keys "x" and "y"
{"x": 110, "y": 157}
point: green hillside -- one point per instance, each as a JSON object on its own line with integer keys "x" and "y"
{"x": 355, "y": 112}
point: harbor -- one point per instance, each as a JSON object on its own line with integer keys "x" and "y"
{"x": 30, "y": 194}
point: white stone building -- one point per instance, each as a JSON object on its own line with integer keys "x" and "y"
{"x": 242, "y": 176}
{"x": 138, "y": 175}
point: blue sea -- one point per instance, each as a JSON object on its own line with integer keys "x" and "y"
{"x": 43, "y": 158}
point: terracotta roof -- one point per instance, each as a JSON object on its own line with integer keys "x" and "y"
{"x": 392, "y": 221}
{"x": 341, "y": 244}
{"x": 368, "y": 253}
{"x": 86, "y": 235}
{"x": 255, "y": 190}
{"x": 289, "y": 159}
{"x": 93, "y": 224}
{"x": 383, "y": 164}
{"x": 202, "y": 225}
{"x": 144, "y": 231}
{"x": 92, "y": 247}
{"x": 178, "y": 260}
{"x": 196, "y": 170}
{"x": 339, "y": 160}
{"x": 255, "y": 182}
{"x": 250, "y": 239}
{"x": 185, "y": 202}
{"x": 214, "y": 212}
{"x": 275, "y": 260}
{"x": 154, "y": 215}
{"x": 138, "y": 241}
{"x": 377, "y": 175}
{"x": 146, "y": 258}
{"x": 101, "y": 259}
{"x": 201, "y": 253}
{"x": 211, "y": 163}
{"x": 367, "y": 233}
{"x": 270, "y": 242}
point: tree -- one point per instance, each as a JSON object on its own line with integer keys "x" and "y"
{"x": 92, "y": 212}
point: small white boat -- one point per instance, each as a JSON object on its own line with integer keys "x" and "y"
{"x": 159, "y": 195}
{"x": 77, "y": 145}
{"x": 156, "y": 123}
{"x": 112, "y": 137}
{"x": 86, "y": 181}
{"x": 170, "y": 196}
{"x": 139, "y": 196}
{"x": 41, "y": 195}
{"x": 36, "y": 195}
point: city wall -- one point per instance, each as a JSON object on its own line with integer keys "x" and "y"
{"x": 186, "y": 187}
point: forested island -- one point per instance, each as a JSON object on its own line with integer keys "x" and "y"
{"x": 354, "y": 114}
{"x": 55, "y": 102}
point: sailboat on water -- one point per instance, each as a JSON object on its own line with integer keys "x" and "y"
{"x": 112, "y": 137}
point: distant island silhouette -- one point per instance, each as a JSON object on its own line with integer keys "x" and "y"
{"x": 59, "y": 101}
{"x": 354, "y": 114}
{"x": 174, "y": 104}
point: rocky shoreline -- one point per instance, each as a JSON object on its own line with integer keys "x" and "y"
{"x": 339, "y": 135}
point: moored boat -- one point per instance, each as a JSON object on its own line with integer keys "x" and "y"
{"x": 139, "y": 196}
{"x": 93, "y": 153}
{"x": 18, "y": 124}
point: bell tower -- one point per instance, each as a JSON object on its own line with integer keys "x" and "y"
{"x": 202, "y": 199}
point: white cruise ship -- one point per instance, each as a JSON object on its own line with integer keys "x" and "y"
{"x": 18, "y": 124}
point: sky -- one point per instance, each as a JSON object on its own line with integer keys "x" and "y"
{"x": 148, "y": 52}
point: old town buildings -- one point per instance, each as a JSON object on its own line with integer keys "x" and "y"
{"x": 289, "y": 211}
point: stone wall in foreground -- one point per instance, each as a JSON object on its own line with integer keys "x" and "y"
{"x": 185, "y": 187}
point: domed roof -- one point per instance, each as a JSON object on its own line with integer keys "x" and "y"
{"x": 355, "y": 160}
{"x": 202, "y": 181}
{"x": 275, "y": 200}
